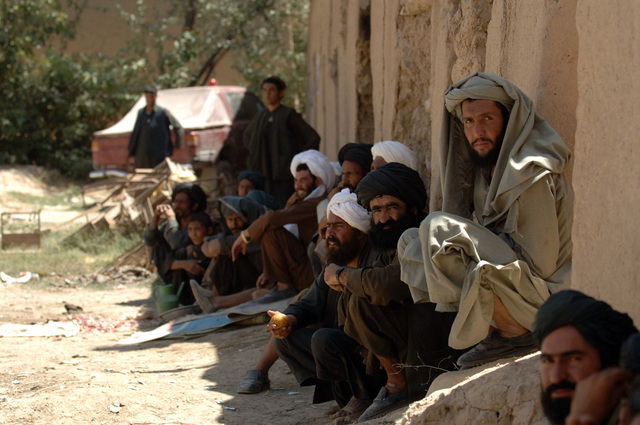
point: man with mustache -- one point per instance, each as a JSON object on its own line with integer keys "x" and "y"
{"x": 577, "y": 336}
{"x": 502, "y": 243}
{"x": 375, "y": 308}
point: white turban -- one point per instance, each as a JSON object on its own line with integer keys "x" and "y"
{"x": 345, "y": 205}
{"x": 319, "y": 165}
{"x": 395, "y": 152}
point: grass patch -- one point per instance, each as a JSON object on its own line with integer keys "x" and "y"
{"x": 81, "y": 256}
{"x": 70, "y": 198}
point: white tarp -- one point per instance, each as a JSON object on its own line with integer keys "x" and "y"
{"x": 194, "y": 107}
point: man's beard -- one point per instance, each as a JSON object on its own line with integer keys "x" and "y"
{"x": 491, "y": 158}
{"x": 556, "y": 410}
{"x": 342, "y": 253}
{"x": 308, "y": 190}
{"x": 388, "y": 238}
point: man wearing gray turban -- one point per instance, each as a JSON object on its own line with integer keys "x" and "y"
{"x": 502, "y": 242}
{"x": 375, "y": 308}
{"x": 577, "y": 336}
{"x": 232, "y": 282}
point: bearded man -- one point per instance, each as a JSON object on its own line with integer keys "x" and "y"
{"x": 285, "y": 234}
{"x": 502, "y": 243}
{"x": 577, "y": 336}
{"x": 375, "y": 308}
{"x": 167, "y": 231}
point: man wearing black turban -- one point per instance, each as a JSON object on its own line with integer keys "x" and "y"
{"x": 187, "y": 198}
{"x": 375, "y": 308}
{"x": 355, "y": 161}
{"x": 578, "y": 336}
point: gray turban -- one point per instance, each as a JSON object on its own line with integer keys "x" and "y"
{"x": 477, "y": 88}
{"x": 599, "y": 324}
{"x": 345, "y": 205}
{"x": 245, "y": 208}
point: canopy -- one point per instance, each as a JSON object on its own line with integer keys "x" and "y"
{"x": 194, "y": 107}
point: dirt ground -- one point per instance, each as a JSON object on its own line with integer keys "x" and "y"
{"x": 90, "y": 378}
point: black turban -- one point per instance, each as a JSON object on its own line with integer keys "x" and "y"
{"x": 359, "y": 153}
{"x": 256, "y": 178}
{"x": 194, "y": 192}
{"x": 599, "y": 324}
{"x": 397, "y": 180}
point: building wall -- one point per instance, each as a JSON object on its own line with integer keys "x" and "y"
{"x": 576, "y": 59}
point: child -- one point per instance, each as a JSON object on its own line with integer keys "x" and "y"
{"x": 200, "y": 226}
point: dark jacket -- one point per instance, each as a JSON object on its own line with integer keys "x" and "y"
{"x": 161, "y": 120}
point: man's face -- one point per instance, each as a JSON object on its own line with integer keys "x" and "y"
{"x": 378, "y": 162}
{"x": 352, "y": 173}
{"x": 244, "y": 187}
{"x": 343, "y": 241}
{"x": 484, "y": 128}
{"x": 271, "y": 95}
{"x": 235, "y": 223}
{"x": 197, "y": 232}
{"x": 151, "y": 99}
{"x": 182, "y": 206}
{"x": 390, "y": 218}
{"x": 566, "y": 359}
{"x": 304, "y": 183}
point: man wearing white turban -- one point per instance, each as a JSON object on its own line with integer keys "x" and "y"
{"x": 502, "y": 243}
{"x": 328, "y": 357}
{"x": 391, "y": 151}
{"x": 285, "y": 233}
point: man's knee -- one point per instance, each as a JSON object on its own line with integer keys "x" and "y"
{"x": 323, "y": 342}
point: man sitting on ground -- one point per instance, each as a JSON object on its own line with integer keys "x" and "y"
{"x": 502, "y": 243}
{"x": 577, "y": 336}
{"x": 164, "y": 239}
{"x": 232, "y": 282}
{"x": 375, "y": 305}
{"x": 251, "y": 185}
{"x": 285, "y": 234}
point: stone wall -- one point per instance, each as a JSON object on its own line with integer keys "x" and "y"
{"x": 576, "y": 59}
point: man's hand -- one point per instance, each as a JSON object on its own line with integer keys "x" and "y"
{"x": 239, "y": 246}
{"x": 261, "y": 282}
{"x": 597, "y": 395}
{"x": 191, "y": 266}
{"x": 283, "y": 332}
{"x": 331, "y": 279}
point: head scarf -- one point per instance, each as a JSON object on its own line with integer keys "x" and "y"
{"x": 345, "y": 205}
{"x": 263, "y": 198}
{"x": 359, "y": 153}
{"x": 396, "y": 180}
{"x": 194, "y": 192}
{"x": 630, "y": 354}
{"x": 319, "y": 165}
{"x": 599, "y": 324}
{"x": 257, "y": 179}
{"x": 247, "y": 210}
{"x": 395, "y": 152}
{"x": 530, "y": 149}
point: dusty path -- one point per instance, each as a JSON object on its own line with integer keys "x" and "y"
{"x": 51, "y": 380}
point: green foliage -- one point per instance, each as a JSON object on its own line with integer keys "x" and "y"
{"x": 52, "y": 102}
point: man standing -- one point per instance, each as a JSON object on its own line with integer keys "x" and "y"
{"x": 164, "y": 239}
{"x": 502, "y": 244}
{"x": 274, "y": 136}
{"x": 150, "y": 141}
{"x": 577, "y": 336}
{"x": 375, "y": 308}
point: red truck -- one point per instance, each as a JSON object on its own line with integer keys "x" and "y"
{"x": 213, "y": 117}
